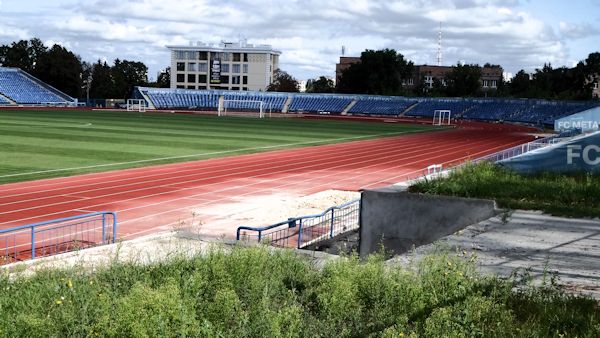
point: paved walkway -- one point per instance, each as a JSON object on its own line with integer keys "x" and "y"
{"x": 531, "y": 240}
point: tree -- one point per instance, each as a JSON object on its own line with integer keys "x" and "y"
{"x": 320, "y": 85}
{"x": 520, "y": 84}
{"x": 283, "y": 82}
{"x": 164, "y": 78}
{"x": 463, "y": 80}
{"x": 102, "y": 85}
{"x": 61, "y": 69}
{"x": 17, "y": 55}
{"x": 37, "y": 52}
{"x": 379, "y": 72}
{"x": 126, "y": 75}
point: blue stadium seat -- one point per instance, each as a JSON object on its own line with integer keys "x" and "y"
{"x": 481, "y": 109}
{"x": 319, "y": 103}
{"x": 25, "y": 89}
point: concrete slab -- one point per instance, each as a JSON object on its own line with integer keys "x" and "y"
{"x": 544, "y": 244}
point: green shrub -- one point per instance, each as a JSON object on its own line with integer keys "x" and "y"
{"x": 576, "y": 194}
{"x": 258, "y": 292}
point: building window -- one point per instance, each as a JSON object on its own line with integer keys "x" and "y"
{"x": 201, "y": 78}
{"x": 191, "y": 67}
{"x": 485, "y": 83}
{"x": 245, "y": 57}
{"x": 245, "y": 80}
{"x": 494, "y": 84}
{"x": 191, "y": 78}
{"x": 180, "y": 78}
{"x": 180, "y": 87}
{"x": 192, "y": 55}
{"x": 202, "y": 87}
{"x": 225, "y": 56}
{"x": 235, "y": 88}
{"x": 202, "y": 67}
{"x": 595, "y": 85}
{"x": 203, "y": 56}
{"x": 180, "y": 55}
{"x": 224, "y": 79}
{"x": 225, "y": 68}
{"x": 236, "y": 57}
{"x": 235, "y": 79}
{"x": 245, "y": 68}
{"x": 236, "y": 69}
{"x": 191, "y": 87}
{"x": 180, "y": 66}
{"x": 245, "y": 88}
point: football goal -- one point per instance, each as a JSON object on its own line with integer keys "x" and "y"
{"x": 244, "y": 108}
{"x": 441, "y": 117}
{"x": 136, "y": 105}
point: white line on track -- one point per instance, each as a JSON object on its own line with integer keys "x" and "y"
{"x": 277, "y": 146}
{"x": 444, "y": 153}
{"x": 197, "y": 168}
{"x": 272, "y": 169}
{"x": 268, "y": 188}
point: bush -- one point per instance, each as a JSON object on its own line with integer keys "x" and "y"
{"x": 576, "y": 194}
{"x": 258, "y": 292}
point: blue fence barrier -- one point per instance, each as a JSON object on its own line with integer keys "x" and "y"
{"x": 57, "y": 236}
{"x": 302, "y": 231}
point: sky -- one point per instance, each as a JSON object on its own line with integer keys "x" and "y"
{"x": 310, "y": 33}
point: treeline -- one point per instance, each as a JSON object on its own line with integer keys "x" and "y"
{"x": 66, "y": 71}
{"x": 387, "y": 72}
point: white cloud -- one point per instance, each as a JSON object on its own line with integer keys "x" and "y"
{"x": 310, "y": 33}
{"x": 577, "y": 31}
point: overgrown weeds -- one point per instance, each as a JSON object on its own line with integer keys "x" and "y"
{"x": 260, "y": 292}
{"x": 575, "y": 195}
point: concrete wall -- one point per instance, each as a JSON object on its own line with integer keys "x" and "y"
{"x": 401, "y": 220}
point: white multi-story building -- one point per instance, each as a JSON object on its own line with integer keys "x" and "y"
{"x": 232, "y": 66}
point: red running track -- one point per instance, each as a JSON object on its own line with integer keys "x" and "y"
{"x": 154, "y": 198}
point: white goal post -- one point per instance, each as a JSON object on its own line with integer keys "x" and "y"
{"x": 241, "y": 108}
{"x": 138, "y": 105}
{"x": 441, "y": 117}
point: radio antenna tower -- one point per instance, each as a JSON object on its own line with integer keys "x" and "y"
{"x": 439, "y": 51}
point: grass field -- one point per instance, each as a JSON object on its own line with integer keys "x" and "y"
{"x": 43, "y": 144}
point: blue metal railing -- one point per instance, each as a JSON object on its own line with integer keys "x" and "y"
{"x": 527, "y": 147}
{"x": 57, "y": 236}
{"x": 302, "y": 231}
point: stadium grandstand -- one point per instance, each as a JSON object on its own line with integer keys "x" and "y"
{"x": 530, "y": 111}
{"x": 19, "y": 88}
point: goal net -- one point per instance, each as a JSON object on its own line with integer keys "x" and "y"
{"x": 138, "y": 105}
{"x": 442, "y": 117}
{"x": 244, "y": 108}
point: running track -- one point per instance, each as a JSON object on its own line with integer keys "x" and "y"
{"x": 155, "y": 198}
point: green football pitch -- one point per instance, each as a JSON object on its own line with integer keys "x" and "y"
{"x": 43, "y": 144}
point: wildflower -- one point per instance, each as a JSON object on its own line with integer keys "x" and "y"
{"x": 70, "y": 284}
{"x": 449, "y": 263}
{"x": 58, "y": 302}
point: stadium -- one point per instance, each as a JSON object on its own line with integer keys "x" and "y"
{"x": 330, "y": 196}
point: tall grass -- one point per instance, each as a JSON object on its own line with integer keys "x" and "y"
{"x": 575, "y": 195}
{"x": 255, "y": 292}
